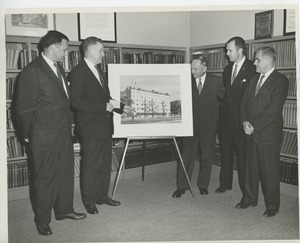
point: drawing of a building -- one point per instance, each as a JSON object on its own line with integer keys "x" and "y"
{"x": 148, "y": 103}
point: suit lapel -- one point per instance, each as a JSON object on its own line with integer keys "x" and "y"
{"x": 267, "y": 82}
{"x": 93, "y": 79}
{"x": 53, "y": 76}
{"x": 206, "y": 84}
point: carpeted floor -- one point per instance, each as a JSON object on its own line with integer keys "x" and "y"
{"x": 149, "y": 213}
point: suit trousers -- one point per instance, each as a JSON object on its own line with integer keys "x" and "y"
{"x": 53, "y": 182}
{"x": 232, "y": 139}
{"x": 96, "y": 169}
{"x": 190, "y": 148}
{"x": 263, "y": 164}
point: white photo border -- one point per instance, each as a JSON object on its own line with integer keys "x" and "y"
{"x": 185, "y": 128}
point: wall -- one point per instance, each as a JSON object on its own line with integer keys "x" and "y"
{"x": 147, "y": 28}
{"x": 214, "y": 27}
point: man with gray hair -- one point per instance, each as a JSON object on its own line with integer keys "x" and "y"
{"x": 261, "y": 118}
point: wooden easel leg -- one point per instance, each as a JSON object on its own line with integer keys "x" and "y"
{"x": 120, "y": 168}
{"x": 186, "y": 175}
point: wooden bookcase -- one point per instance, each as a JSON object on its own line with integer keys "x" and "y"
{"x": 21, "y": 50}
{"x": 286, "y": 64}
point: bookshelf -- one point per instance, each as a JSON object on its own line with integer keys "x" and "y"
{"x": 22, "y": 50}
{"x": 286, "y": 64}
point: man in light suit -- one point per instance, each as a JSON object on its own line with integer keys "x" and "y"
{"x": 236, "y": 77}
{"x": 207, "y": 91}
{"x": 261, "y": 116}
{"x": 90, "y": 96}
{"x": 44, "y": 119}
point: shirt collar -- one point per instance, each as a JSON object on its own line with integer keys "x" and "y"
{"x": 267, "y": 74}
{"x": 50, "y": 62}
{"x": 240, "y": 62}
{"x": 89, "y": 63}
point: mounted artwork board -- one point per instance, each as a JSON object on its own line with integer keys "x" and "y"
{"x": 160, "y": 96}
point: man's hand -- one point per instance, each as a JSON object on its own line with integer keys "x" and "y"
{"x": 26, "y": 140}
{"x": 248, "y": 128}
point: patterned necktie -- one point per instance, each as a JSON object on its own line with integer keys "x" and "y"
{"x": 59, "y": 75}
{"x": 259, "y": 84}
{"x": 234, "y": 73}
{"x": 200, "y": 86}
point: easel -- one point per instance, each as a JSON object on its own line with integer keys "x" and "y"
{"x": 146, "y": 138}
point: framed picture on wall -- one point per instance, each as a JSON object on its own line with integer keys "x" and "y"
{"x": 29, "y": 24}
{"x": 264, "y": 25}
{"x": 289, "y": 22}
{"x": 101, "y": 25}
{"x": 159, "y": 97}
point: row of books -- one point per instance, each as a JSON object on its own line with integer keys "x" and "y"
{"x": 292, "y": 91}
{"x": 288, "y": 171}
{"x": 17, "y": 174}
{"x": 151, "y": 155}
{"x": 19, "y": 58}
{"x": 289, "y": 143}
{"x": 10, "y": 87}
{"x": 285, "y": 52}
{"x": 289, "y": 114}
{"x": 14, "y": 148}
{"x": 151, "y": 58}
{"x": 215, "y": 57}
{"x": 9, "y": 124}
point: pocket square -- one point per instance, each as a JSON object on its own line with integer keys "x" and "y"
{"x": 244, "y": 81}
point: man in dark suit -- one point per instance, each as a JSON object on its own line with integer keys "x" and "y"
{"x": 236, "y": 76}
{"x": 44, "y": 118}
{"x": 261, "y": 116}
{"x": 91, "y": 98}
{"x": 207, "y": 91}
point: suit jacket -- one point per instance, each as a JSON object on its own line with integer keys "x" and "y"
{"x": 205, "y": 106}
{"x": 230, "y": 106}
{"x": 42, "y": 108}
{"x": 264, "y": 111}
{"x": 89, "y": 99}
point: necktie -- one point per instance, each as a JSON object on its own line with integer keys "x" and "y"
{"x": 100, "y": 76}
{"x": 259, "y": 84}
{"x": 59, "y": 75}
{"x": 200, "y": 86}
{"x": 234, "y": 73}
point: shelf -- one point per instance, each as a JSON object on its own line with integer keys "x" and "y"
{"x": 289, "y": 156}
{"x": 16, "y": 159}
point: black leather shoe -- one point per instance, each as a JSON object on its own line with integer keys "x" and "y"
{"x": 223, "y": 189}
{"x": 74, "y": 216}
{"x": 178, "y": 193}
{"x": 270, "y": 212}
{"x": 92, "y": 209}
{"x": 108, "y": 201}
{"x": 44, "y": 229}
{"x": 242, "y": 205}
{"x": 203, "y": 191}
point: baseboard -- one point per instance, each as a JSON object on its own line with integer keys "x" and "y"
{"x": 23, "y": 192}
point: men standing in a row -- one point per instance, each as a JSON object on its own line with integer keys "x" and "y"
{"x": 236, "y": 77}
{"x": 261, "y": 116}
{"x": 44, "y": 118}
{"x": 91, "y": 98}
{"x": 207, "y": 91}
